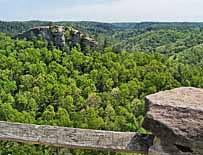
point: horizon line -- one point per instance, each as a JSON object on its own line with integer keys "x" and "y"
{"x": 95, "y": 21}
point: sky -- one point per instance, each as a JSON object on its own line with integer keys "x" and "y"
{"x": 102, "y": 10}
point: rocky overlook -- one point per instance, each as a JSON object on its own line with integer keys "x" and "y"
{"x": 60, "y": 36}
{"x": 176, "y": 118}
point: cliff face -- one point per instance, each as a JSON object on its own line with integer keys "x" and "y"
{"x": 60, "y": 36}
{"x": 76, "y": 37}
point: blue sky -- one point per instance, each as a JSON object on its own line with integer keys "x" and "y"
{"x": 102, "y": 10}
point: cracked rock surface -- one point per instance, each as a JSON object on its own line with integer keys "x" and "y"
{"x": 176, "y": 117}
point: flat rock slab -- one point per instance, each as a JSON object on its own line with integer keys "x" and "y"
{"x": 176, "y": 117}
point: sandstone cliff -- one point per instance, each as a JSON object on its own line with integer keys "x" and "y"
{"x": 60, "y": 36}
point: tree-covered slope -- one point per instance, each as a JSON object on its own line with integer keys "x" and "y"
{"x": 95, "y": 90}
{"x": 98, "y": 27}
{"x": 91, "y": 27}
{"x": 167, "y": 42}
{"x": 165, "y": 38}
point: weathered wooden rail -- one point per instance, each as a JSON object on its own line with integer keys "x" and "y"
{"x": 175, "y": 118}
{"x": 75, "y": 138}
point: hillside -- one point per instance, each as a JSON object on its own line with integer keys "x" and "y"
{"x": 165, "y": 38}
{"x": 97, "y": 27}
{"x": 95, "y": 89}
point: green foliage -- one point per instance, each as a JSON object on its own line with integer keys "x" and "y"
{"x": 96, "y": 89}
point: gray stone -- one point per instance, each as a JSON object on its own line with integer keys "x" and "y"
{"x": 176, "y": 117}
{"x": 78, "y": 37}
{"x": 56, "y": 35}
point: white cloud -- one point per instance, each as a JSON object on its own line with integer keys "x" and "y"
{"x": 128, "y": 10}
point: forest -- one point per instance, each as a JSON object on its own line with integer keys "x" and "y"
{"x": 100, "y": 89}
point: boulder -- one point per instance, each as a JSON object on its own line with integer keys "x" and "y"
{"x": 175, "y": 117}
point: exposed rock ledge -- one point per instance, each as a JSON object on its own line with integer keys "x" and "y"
{"x": 175, "y": 117}
{"x": 57, "y": 35}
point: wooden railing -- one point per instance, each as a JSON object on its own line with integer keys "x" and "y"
{"x": 174, "y": 117}
{"x": 75, "y": 138}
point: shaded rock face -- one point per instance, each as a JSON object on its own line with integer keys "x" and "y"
{"x": 176, "y": 118}
{"x": 76, "y": 37}
{"x": 56, "y": 35}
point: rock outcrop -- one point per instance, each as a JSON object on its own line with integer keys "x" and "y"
{"x": 77, "y": 37}
{"x": 57, "y": 36}
{"x": 175, "y": 117}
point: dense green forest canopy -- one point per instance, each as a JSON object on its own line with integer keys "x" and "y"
{"x": 102, "y": 89}
{"x": 16, "y": 27}
{"x": 169, "y": 39}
